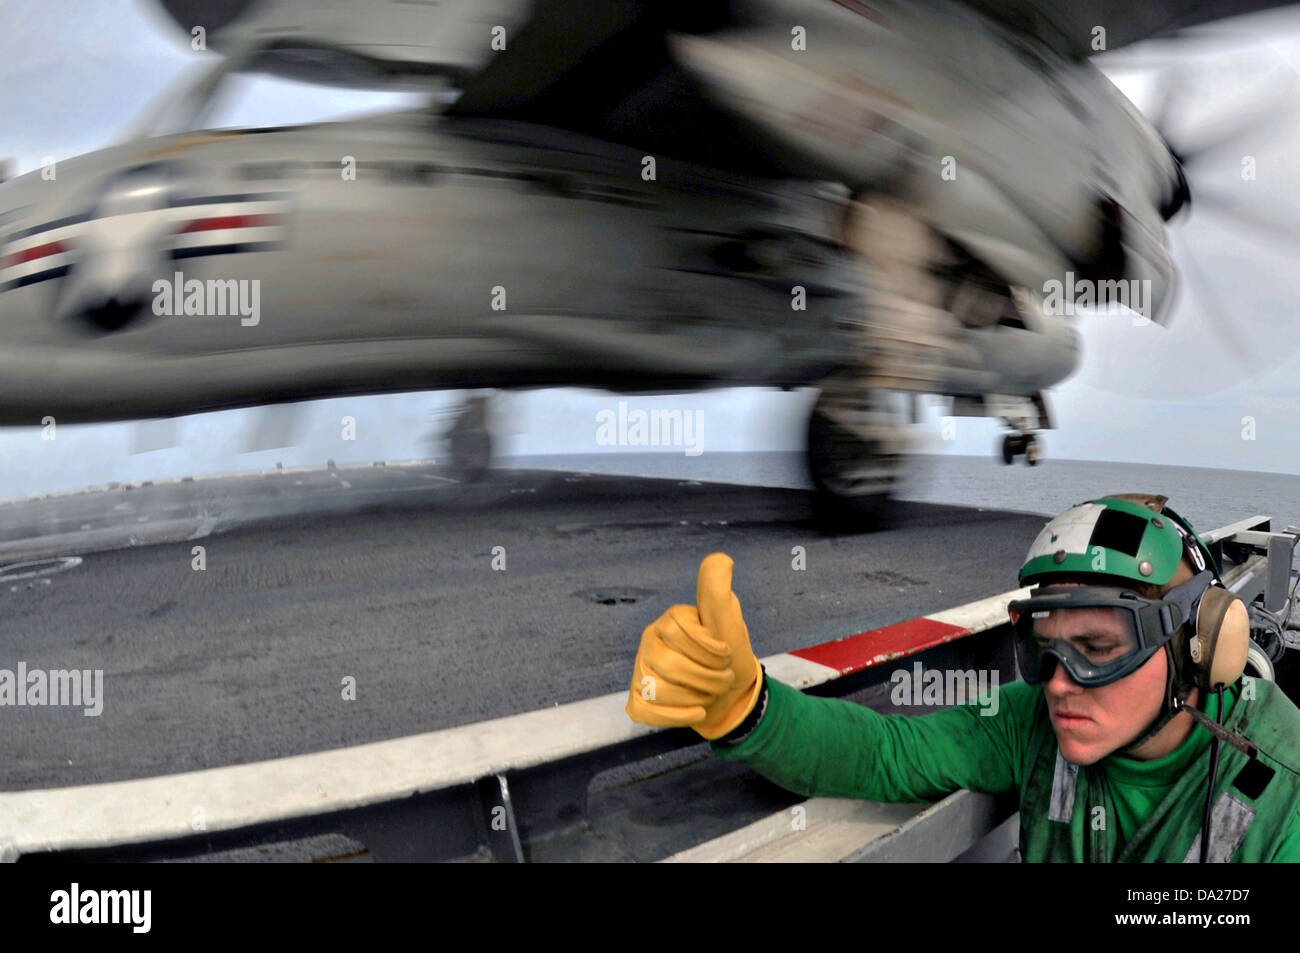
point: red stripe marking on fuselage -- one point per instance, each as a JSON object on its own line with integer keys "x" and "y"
{"x": 37, "y": 251}
{"x": 228, "y": 221}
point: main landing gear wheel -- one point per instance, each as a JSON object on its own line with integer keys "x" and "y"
{"x": 470, "y": 443}
{"x": 854, "y": 457}
{"x": 1013, "y": 445}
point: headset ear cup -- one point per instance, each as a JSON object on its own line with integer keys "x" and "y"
{"x": 1222, "y": 636}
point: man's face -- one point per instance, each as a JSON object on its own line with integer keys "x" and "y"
{"x": 1090, "y": 723}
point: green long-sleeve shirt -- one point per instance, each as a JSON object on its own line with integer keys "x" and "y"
{"x": 1149, "y": 810}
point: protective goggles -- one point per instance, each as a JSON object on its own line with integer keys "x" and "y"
{"x": 1100, "y": 634}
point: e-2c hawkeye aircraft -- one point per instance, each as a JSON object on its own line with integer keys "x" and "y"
{"x": 866, "y": 197}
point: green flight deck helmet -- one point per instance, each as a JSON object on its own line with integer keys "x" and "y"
{"x": 1131, "y": 536}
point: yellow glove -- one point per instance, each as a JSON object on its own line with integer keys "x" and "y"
{"x": 720, "y": 612}
{"x": 684, "y": 675}
{"x": 679, "y": 670}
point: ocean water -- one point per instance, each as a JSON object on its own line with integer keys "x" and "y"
{"x": 1208, "y": 497}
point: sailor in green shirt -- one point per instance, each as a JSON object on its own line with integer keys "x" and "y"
{"x": 1133, "y": 709}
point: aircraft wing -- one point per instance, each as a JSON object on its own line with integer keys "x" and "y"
{"x": 451, "y": 36}
{"x": 548, "y": 38}
{"x": 1068, "y": 27}
{"x": 599, "y": 67}
{"x": 602, "y": 67}
{"x": 544, "y": 38}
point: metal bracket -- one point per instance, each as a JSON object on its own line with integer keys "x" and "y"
{"x": 500, "y": 827}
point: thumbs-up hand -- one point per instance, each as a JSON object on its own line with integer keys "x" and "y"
{"x": 720, "y": 613}
{"x": 680, "y": 669}
{"x": 695, "y": 666}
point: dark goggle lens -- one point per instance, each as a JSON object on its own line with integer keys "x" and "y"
{"x": 1097, "y": 645}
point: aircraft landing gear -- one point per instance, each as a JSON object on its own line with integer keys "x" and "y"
{"x": 855, "y": 452}
{"x": 1015, "y": 444}
{"x": 469, "y": 442}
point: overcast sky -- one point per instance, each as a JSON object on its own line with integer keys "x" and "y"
{"x": 74, "y": 75}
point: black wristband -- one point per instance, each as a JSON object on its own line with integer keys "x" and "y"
{"x": 746, "y": 727}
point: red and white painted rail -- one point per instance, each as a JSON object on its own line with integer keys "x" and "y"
{"x": 804, "y": 668}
